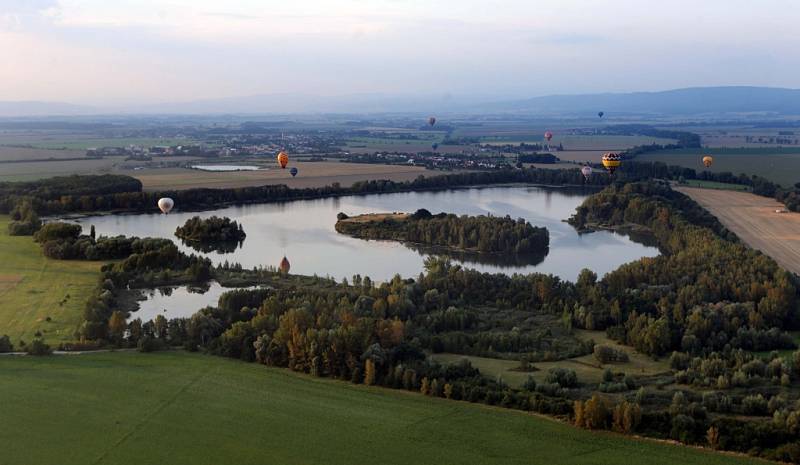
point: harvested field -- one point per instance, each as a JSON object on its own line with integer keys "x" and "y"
{"x": 312, "y": 174}
{"x": 754, "y": 219}
{"x": 28, "y": 171}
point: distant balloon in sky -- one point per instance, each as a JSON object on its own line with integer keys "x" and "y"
{"x": 600, "y": 114}
{"x": 435, "y": 146}
{"x": 548, "y": 135}
{"x": 611, "y": 161}
{"x": 586, "y": 171}
{"x": 283, "y": 159}
{"x": 293, "y": 171}
{"x": 708, "y": 160}
{"x": 165, "y": 204}
{"x": 432, "y": 120}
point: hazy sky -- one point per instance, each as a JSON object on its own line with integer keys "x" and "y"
{"x": 117, "y": 51}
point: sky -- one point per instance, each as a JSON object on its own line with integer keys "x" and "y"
{"x": 106, "y": 52}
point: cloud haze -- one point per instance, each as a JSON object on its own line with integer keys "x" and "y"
{"x": 145, "y": 51}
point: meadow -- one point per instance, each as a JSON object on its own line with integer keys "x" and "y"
{"x": 34, "y": 288}
{"x": 588, "y": 369}
{"x": 780, "y": 165}
{"x": 183, "y": 408}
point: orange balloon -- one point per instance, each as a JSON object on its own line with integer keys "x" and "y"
{"x": 283, "y": 159}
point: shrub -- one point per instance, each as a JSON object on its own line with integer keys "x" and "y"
{"x": 38, "y": 347}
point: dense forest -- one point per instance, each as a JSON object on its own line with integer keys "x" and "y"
{"x": 483, "y": 234}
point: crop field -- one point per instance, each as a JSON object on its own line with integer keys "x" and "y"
{"x": 182, "y": 408}
{"x": 311, "y": 174}
{"x": 754, "y": 220}
{"x": 78, "y": 141}
{"x": 580, "y": 142}
{"x": 780, "y": 165}
{"x": 34, "y": 288}
{"x": 29, "y": 171}
{"x": 587, "y": 368}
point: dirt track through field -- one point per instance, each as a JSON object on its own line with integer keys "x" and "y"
{"x": 754, "y": 220}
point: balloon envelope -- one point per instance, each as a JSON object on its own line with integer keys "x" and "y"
{"x": 586, "y": 172}
{"x": 283, "y": 159}
{"x": 432, "y": 120}
{"x": 284, "y": 266}
{"x": 611, "y": 161}
{"x": 548, "y": 135}
{"x": 165, "y": 204}
{"x": 293, "y": 171}
{"x": 434, "y": 146}
{"x": 600, "y": 114}
{"x": 708, "y": 160}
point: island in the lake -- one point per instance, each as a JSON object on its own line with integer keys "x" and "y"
{"x": 476, "y": 234}
{"x": 213, "y": 233}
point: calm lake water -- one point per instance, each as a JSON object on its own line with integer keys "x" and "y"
{"x": 226, "y": 167}
{"x": 303, "y": 232}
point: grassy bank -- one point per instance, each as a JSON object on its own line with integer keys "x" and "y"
{"x": 181, "y": 408}
{"x": 34, "y": 288}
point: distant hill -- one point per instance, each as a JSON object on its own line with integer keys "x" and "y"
{"x": 35, "y": 108}
{"x": 690, "y": 101}
{"x": 714, "y": 101}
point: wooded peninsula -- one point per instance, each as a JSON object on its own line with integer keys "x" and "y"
{"x": 482, "y": 234}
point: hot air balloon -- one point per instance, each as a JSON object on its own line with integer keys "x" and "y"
{"x": 611, "y": 161}
{"x": 708, "y": 160}
{"x": 165, "y": 204}
{"x": 548, "y": 135}
{"x": 434, "y": 146}
{"x": 284, "y": 266}
{"x": 293, "y": 171}
{"x": 600, "y": 114}
{"x": 431, "y": 120}
{"x": 586, "y": 171}
{"x": 283, "y": 159}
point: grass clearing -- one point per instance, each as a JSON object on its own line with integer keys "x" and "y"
{"x": 33, "y": 288}
{"x": 182, "y": 408}
{"x": 588, "y": 369}
{"x": 715, "y": 185}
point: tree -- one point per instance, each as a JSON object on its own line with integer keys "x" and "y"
{"x": 369, "y": 372}
{"x": 712, "y": 437}
{"x": 117, "y": 326}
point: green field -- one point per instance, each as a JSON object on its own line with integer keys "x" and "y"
{"x": 714, "y": 185}
{"x": 33, "y": 288}
{"x": 181, "y": 408}
{"x": 780, "y": 165}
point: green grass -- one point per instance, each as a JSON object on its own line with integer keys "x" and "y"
{"x": 715, "y": 185}
{"x": 181, "y": 408}
{"x": 33, "y": 288}
{"x": 780, "y": 165}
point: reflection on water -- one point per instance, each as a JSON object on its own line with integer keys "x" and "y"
{"x": 500, "y": 260}
{"x": 177, "y": 302}
{"x": 304, "y": 230}
{"x": 221, "y": 247}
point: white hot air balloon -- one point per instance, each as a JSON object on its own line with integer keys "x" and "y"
{"x": 165, "y": 204}
{"x": 586, "y": 171}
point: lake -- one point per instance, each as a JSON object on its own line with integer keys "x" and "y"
{"x": 226, "y": 167}
{"x": 303, "y": 232}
